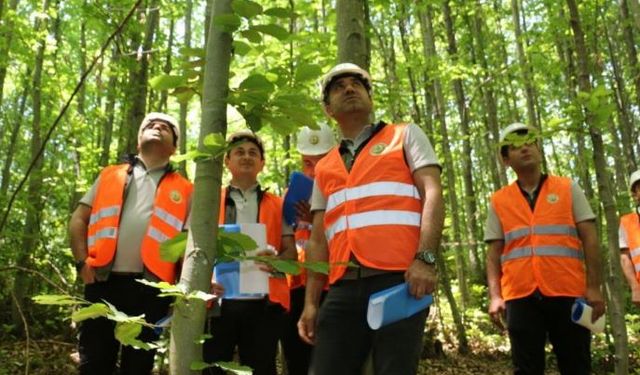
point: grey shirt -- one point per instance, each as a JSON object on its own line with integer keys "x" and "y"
{"x": 418, "y": 153}
{"x": 134, "y": 219}
{"x": 580, "y": 207}
{"x": 246, "y": 202}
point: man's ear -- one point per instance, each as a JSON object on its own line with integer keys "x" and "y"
{"x": 327, "y": 110}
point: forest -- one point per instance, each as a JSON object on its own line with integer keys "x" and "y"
{"x": 78, "y": 76}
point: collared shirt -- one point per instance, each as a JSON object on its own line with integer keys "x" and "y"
{"x": 242, "y": 207}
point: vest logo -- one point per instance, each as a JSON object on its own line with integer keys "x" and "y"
{"x": 378, "y": 149}
{"x": 553, "y": 198}
{"x": 175, "y": 196}
{"x": 314, "y": 139}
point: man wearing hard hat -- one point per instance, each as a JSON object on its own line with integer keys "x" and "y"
{"x": 312, "y": 145}
{"x": 541, "y": 233}
{"x": 629, "y": 234}
{"x": 116, "y": 232}
{"x": 377, "y": 202}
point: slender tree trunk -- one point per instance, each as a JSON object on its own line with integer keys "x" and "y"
{"x": 351, "y": 33}
{"x": 184, "y": 106}
{"x": 470, "y": 208}
{"x": 13, "y": 144}
{"x": 31, "y": 230}
{"x": 167, "y": 67}
{"x": 461, "y": 266}
{"x": 525, "y": 69}
{"x": 139, "y": 77}
{"x": 634, "y": 7}
{"x": 5, "y": 46}
{"x": 416, "y": 112}
{"x": 387, "y": 46}
{"x": 189, "y": 317}
{"x": 613, "y": 282}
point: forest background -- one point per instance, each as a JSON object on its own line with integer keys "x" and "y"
{"x": 76, "y": 78}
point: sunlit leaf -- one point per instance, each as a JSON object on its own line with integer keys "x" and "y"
{"x": 252, "y": 35}
{"x": 166, "y": 82}
{"x": 275, "y": 31}
{"x": 241, "y": 48}
{"x": 95, "y": 310}
{"x": 172, "y": 249}
{"x": 305, "y": 72}
{"x": 235, "y": 368}
{"x": 57, "y": 299}
{"x": 291, "y": 267}
{"x": 278, "y": 12}
{"x": 246, "y": 8}
{"x": 194, "y": 155}
{"x": 320, "y": 267}
{"x": 227, "y": 22}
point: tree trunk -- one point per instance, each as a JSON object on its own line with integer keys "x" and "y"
{"x": 5, "y": 47}
{"x": 351, "y": 33}
{"x": 470, "y": 207}
{"x": 184, "y": 106}
{"x": 461, "y": 266}
{"x": 416, "y": 112}
{"x": 189, "y": 317}
{"x": 614, "y": 284}
{"x": 31, "y": 228}
{"x": 162, "y": 107}
{"x": 139, "y": 76}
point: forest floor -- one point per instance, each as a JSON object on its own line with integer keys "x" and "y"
{"x": 55, "y": 357}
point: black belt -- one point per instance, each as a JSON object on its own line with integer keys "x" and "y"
{"x": 355, "y": 273}
{"x": 128, "y": 275}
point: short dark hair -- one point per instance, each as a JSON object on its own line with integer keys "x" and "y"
{"x": 327, "y": 88}
{"x": 245, "y": 136}
{"x": 636, "y": 185}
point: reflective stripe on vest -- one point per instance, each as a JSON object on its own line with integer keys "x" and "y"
{"x": 157, "y": 235}
{"x": 542, "y": 251}
{"x": 541, "y": 230}
{"x": 104, "y": 213}
{"x": 102, "y": 233}
{"x": 371, "y": 218}
{"x": 171, "y": 220}
{"x": 374, "y": 189}
{"x": 635, "y": 252}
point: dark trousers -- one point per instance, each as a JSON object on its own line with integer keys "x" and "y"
{"x": 344, "y": 339}
{"x": 297, "y": 353}
{"x": 531, "y": 319}
{"x": 97, "y": 345}
{"x": 251, "y": 325}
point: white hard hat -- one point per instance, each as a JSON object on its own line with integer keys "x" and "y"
{"x": 153, "y": 116}
{"x": 315, "y": 142}
{"x": 516, "y": 126}
{"x": 344, "y": 69}
{"x": 635, "y": 177}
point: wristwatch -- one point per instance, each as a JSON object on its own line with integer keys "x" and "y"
{"x": 79, "y": 265}
{"x": 426, "y": 256}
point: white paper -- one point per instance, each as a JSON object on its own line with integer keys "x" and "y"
{"x": 252, "y": 279}
{"x": 585, "y": 318}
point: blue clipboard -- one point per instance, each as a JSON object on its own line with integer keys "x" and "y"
{"x": 300, "y": 189}
{"x": 394, "y": 304}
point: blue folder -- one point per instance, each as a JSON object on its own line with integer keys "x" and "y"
{"x": 299, "y": 189}
{"x": 394, "y": 304}
{"x": 228, "y": 273}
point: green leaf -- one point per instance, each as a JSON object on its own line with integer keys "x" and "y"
{"x": 241, "y": 48}
{"x": 320, "y": 267}
{"x": 194, "y": 155}
{"x": 235, "y": 368}
{"x": 299, "y": 116}
{"x": 246, "y": 8}
{"x": 305, "y": 72}
{"x": 95, "y": 310}
{"x": 227, "y": 22}
{"x": 275, "y": 31}
{"x": 214, "y": 140}
{"x": 193, "y": 52}
{"x": 166, "y": 82}
{"x": 252, "y": 36}
{"x": 235, "y": 244}
{"x": 56, "y": 299}
{"x": 256, "y": 82}
{"x": 278, "y": 12}
{"x": 126, "y": 333}
{"x": 291, "y": 267}
{"x": 172, "y": 249}
{"x": 199, "y": 365}
{"x": 201, "y": 296}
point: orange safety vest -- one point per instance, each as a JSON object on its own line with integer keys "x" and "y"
{"x": 269, "y": 214}
{"x": 631, "y": 226}
{"x": 374, "y": 211}
{"x": 170, "y": 209}
{"x": 541, "y": 248}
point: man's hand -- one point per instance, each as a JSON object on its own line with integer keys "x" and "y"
{"x": 88, "y": 274}
{"x": 303, "y": 211}
{"x": 596, "y": 301}
{"x": 266, "y": 267}
{"x": 635, "y": 297}
{"x": 497, "y": 310}
{"x": 217, "y": 289}
{"x": 421, "y": 278}
{"x": 307, "y": 324}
